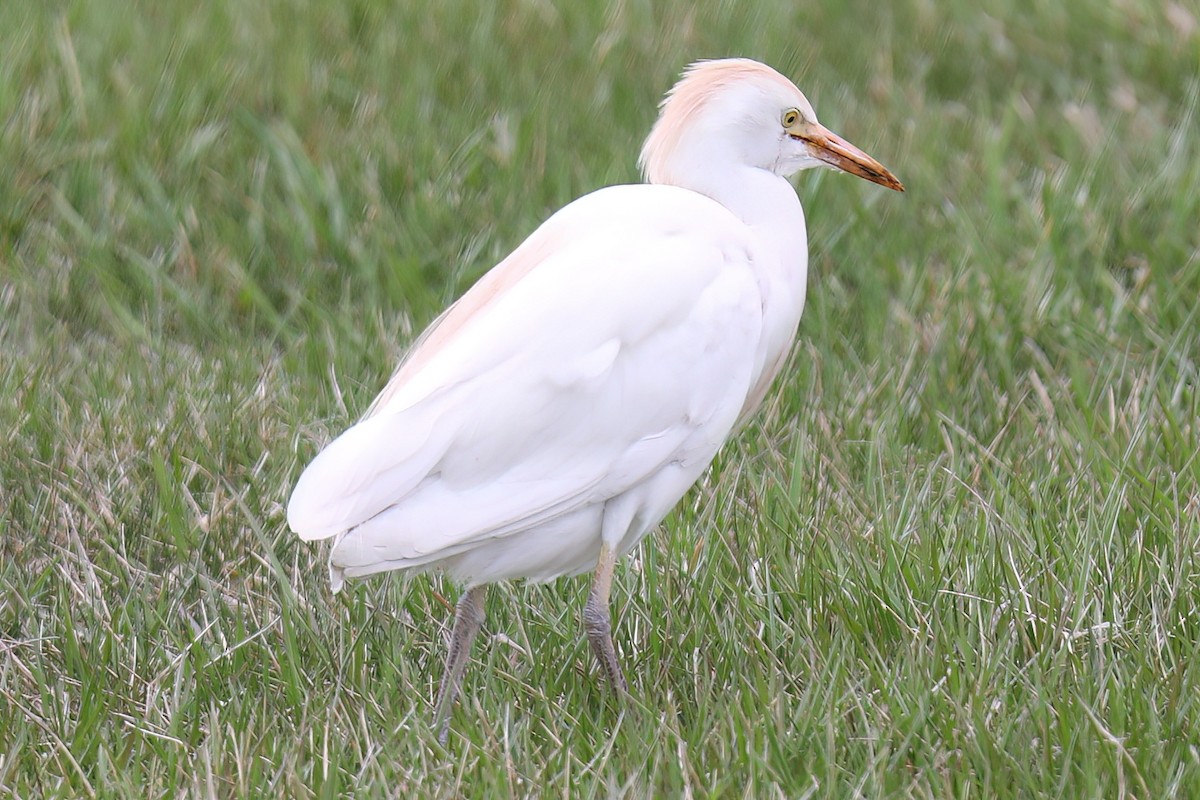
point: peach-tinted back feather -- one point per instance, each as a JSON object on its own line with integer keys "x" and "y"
{"x": 491, "y": 286}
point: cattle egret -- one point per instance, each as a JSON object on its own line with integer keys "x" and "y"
{"x": 550, "y": 418}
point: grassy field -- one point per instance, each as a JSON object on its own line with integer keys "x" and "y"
{"x": 958, "y": 555}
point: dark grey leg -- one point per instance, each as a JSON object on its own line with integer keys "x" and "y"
{"x": 598, "y": 625}
{"x": 467, "y": 619}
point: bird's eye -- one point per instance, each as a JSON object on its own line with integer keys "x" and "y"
{"x": 790, "y": 117}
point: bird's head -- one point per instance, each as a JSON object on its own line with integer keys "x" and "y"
{"x": 739, "y": 112}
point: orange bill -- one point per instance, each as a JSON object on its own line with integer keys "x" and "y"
{"x": 837, "y": 152}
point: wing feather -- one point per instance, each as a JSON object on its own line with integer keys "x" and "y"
{"x": 602, "y": 359}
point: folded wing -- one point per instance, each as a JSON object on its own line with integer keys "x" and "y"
{"x": 619, "y": 338}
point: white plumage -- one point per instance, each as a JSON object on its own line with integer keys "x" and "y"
{"x": 611, "y": 360}
{"x": 554, "y": 415}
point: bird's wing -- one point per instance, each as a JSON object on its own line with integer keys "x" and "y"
{"x": 619, "y": 338}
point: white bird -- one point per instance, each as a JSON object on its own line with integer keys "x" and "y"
{"x": 553, "y": 415}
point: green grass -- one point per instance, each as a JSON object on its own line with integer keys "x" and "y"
{"x": 957, "y": 555}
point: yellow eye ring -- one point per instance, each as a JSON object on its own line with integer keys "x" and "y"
{"x": 791, "y": 117}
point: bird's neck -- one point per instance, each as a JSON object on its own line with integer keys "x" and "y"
{"x": 768, "y": 204}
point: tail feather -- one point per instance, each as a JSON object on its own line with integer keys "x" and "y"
{"x": 364, "y": 471}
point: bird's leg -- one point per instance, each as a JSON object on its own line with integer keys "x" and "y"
{"x": 597, "y": 623}
{"x": 467, "y": 618}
